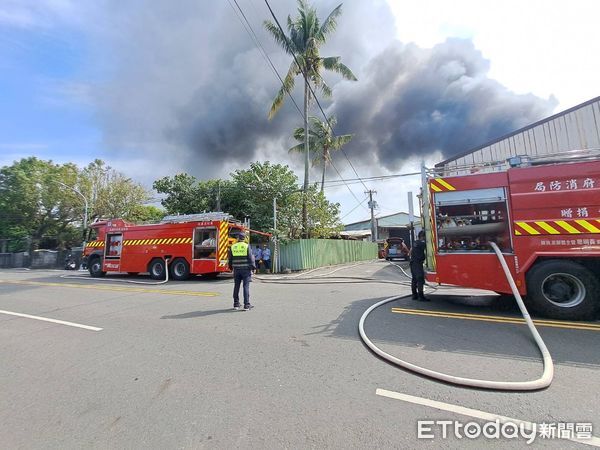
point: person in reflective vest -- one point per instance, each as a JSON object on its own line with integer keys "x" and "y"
{"x": 241, "y": 261}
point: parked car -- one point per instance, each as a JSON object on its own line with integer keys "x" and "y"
{"x": 395, "y": 248}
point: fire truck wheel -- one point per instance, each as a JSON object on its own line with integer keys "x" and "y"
{"x": 563, "y": 290}
{"x": 95, "y": 267}
{"x": 157, "y": 269}
{"x": 180, "y": 269}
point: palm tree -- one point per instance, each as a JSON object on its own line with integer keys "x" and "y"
{"x": 305, "y": 35}
{"x": 321, "y": 139}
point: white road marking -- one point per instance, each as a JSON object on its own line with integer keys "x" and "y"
{"x": 593, "y": 441}
{"x": 45, "y": 319}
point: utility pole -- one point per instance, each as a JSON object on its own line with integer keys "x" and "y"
{"x": 306, "y": 162}
{"x": 275, "y": 260}
{"x": 372, "y": 206}
{"x": 274, "y": 214}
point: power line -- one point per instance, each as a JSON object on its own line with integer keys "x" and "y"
{"x": 340, "y": 175}
{"x": 353, "y": 209}
{"x": 375, "y": 178}
{"x": 257, "y": 42}
{"x": 261, "y": 49}
{"x": 316, "y": 100}
{"x": 312, "y": 91}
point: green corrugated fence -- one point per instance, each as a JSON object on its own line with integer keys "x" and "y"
{"x": 312, "y": 253}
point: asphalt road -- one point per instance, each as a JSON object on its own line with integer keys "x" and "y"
{"x": 174, "y": 367}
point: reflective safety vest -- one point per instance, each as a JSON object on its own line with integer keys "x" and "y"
{"x": 239, "y": 249}
{"x": 239, "y": 253}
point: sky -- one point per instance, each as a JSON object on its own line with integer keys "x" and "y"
{"x": 158, "y": 88}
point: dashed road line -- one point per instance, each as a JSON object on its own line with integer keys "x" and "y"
{"x": 475, "y": 413}
{"x": 46, "y": 319}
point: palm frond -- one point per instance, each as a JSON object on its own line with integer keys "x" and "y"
{"x": 287, "y": 87}
{"x": 340, "y": 141}
{"x": 327, "y": 92}
{"x": 305, "y": 27}
{"x": 299, "y": 148}
{"x": 320, "y": 83}
{"x": 330, "y": 61}
{"x": 280, "y": 38}
{"x": 314, "y": 124}
{"x": 334, "y": 64}
{"x": 330, "y": 24}
{"x": 332, "y": 121}
{"x": 298, "y": 134}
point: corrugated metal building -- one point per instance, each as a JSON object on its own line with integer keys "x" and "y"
{"x": 393, "y": 225}
{"x": 577, "y": 128}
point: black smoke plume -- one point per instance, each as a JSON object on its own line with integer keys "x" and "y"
{"x": 189, "y": 91}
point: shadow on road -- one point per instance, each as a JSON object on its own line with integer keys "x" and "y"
{"x": 194, "y": 314}
{"x": 442, "y": 334}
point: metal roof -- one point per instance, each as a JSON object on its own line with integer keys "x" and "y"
{"x": 577, "y": 128}
{"x": 396, "y": 220}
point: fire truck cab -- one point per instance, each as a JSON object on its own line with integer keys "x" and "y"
{"x": 186, "y": 244}
{"x": 544, "y": 215}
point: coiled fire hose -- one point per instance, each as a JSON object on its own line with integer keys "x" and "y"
{"x": 542, "y": 382}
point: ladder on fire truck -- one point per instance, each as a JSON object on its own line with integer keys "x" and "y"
{"x": 200, "y": 217}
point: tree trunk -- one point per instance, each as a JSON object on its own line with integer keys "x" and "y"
{"x": 306, "y": 161}
{"x": 325, "y": 159}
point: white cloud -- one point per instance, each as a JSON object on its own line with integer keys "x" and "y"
{"x": 16, "y": 17}
{"x": 42, "y": 13}
{"x": 533, "y": 46}
{"x": 164, "y": 63}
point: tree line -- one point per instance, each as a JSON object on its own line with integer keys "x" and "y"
{"x": 42, "y": 204}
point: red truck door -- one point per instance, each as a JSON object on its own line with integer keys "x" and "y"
{"x": 205, "y": 250}
{"x": 113, "y": 249}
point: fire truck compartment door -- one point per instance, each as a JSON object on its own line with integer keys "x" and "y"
{"x": 113, "y": 246}
{"x": 488, "y": 195}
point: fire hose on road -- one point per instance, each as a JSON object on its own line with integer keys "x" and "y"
{"x": 542, "y": 382}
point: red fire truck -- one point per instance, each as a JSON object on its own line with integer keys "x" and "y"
{"x": 543, "y": 213}
{"x": 192, "y": 244}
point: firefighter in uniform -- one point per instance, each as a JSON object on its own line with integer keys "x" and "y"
{"x": 417, "y": 258}
{"x": 241, "y": 261}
